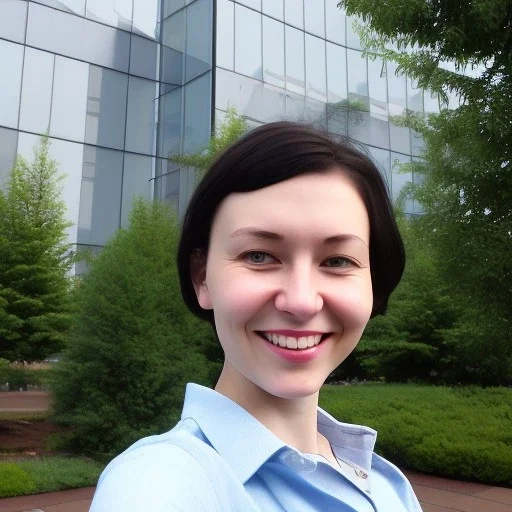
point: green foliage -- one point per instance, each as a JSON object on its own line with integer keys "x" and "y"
{"x": 23, "y": 378}
{"x": 226, "y": 133}
{"x": 14, "y": 481}
{"x": 134, "y": 344}
{"x": 466, "y": 185}
{"x": 38, "y": 475}
{"x": 34, "y": 260}
{"x": 458, "y": 433}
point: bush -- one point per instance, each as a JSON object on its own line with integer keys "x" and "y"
{"x": 134, "y": 344}
{"x": 24, "y": 379}
{"x": 14, "y": 481}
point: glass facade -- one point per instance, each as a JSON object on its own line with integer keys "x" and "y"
{"x": 122, "y": 85}
{"x": 119, "y": 86}
{"x": 302, "y": 60}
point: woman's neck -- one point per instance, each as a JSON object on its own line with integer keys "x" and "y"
{"x": 293, "y": 420}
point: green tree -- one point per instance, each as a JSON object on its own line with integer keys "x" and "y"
{"x": 134, "y": 345}
{"x": 35, "y": 258}
{"x": 226, "y": 133}
{"x": 467, "y": 160}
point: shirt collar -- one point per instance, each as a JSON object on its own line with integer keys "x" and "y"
{"x": 248, "y": 444}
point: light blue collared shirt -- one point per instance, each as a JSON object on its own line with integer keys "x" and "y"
{"x": 219, "y": 458}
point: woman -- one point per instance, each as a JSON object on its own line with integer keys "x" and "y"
{"x": 289, "y": 247}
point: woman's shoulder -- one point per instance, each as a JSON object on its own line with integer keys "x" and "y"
{"x": 162, "y": 472}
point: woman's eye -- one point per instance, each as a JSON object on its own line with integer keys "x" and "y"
{"x": 258, "y": 257}
{"x": 340, "y": 262}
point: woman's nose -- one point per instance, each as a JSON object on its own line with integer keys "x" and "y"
{"x": 299, "y": 294}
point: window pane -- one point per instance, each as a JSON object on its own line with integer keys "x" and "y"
{"x": 11, "y": 57}
{"x": 199, "y": 49}
{"x": 273, "y": 52}
{"x": 357, "y": 80}
{"x": 13, "y": 16}
{"x": 294, "y": 60}
{"x": 396, "y": 88}
{"x": 171, "y": 6}
{"x": 315, "y": 68}
{"x": 76, "y": 6}
{"x": 414, "y": 96}
{"x": 197, "y": 114}
{"x": 36, "y": 94}
{"x": 137, "y": 173}
{"x": 381, "y": 157}
{"x": 69, "y": 104}
{"x": 399, "y": 138}
{"x": 8, "y": 150}
{"x": 254, "y": 4}
{"x": 248, "y": 42}
{"x": 377, "y": 86}
{"x": 170, "y": 123}
{"x": 225, "y": 34}
{"x": 431, "y": 102}
{"x": 335, "y": 22}
{"x": 336, "y": 73}
{"x": 315, "y": 17}
{"x": 353, "y": 40}
{"x": 399, "y": 179}
{"x": 274, "y": 8}
{"x": 294, "y": 12}
{"x": 145, "y": 18}
{"x": 117, "y": 13}
{"x": 172, "y": 66}
{"x": 49, "y": 29}
{"x": 337, "y": 118}
{"x": 106, "y": 108}
{"x": 174, "y": 31}
{"x": 143, "y": 57}
{"x": 140, "y": 120}
{"x": 167, "y": 188}
{"x": 100, "y": 195}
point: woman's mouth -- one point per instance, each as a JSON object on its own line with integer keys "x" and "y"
{"x": 293, "y": 343}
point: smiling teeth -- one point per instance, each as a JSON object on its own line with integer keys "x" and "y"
{"x": 293, "y": 343}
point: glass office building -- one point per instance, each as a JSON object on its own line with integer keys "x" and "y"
{"x": 120, "y": 85}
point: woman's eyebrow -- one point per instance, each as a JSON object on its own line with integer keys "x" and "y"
{"x": 269, "y": 235}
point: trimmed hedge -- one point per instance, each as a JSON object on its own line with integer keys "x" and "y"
{"x": 24, "y": 379}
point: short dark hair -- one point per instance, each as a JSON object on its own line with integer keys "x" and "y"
{"x": 276, "y": 152}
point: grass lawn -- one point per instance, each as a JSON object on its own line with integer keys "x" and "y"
{"x": 463, "y": 433}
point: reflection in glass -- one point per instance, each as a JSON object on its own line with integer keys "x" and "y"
{"x": 294, "y": 12}
{"x": 431, "y": 102}
{"x": 294, "y": 60}
{"x": 111, "y": 47}
{"x": 106, "y": 108}
{"x": 414, "y": 95}
{"x": 75, "y": 6}
{"x": 399, "y": 138}
{"x": 140, "y": 119}
{"x": 170, "y": 123}
{"x": 171, "y": 6}
{"x": 381, "y": 158}
{"x": 8, "y": 150}
{"x": 137, "y": 173}
{"x": 254, "y": 4}
{"x": 197, "y": 114}
{"x": 117, "y": 13}
{"x": 145, "y": 18}
{"x": 336, "y": 73}
{"x": 143, "y": 57}
{"x": 335, "y": 22}
{"x": 357, "y": 80}
{"x": 167, "y": 188}
{"x": 171, "y": 71}
{"x": 69, "y": 104}
{"x": 273, "y": 52}
{"x": 11, "y": 57}
{"x": 13, "y": 17}
{"x": 36, "y": 94}
{"x": 100, "y": 195}
{"x": 248, "y": 42}
{"x": 314, "y": 17}
{"x": 173, "y": 34}
{"x": 353, "y": 40}
{"x": 377, "y": 87}
{"x": 199, "y": 45}
{"x": 396, "y": 87}
{"x": 225, "y": 34}
{"x": 315, "y": 68}
{"x": 274, "y": 8}
{"x": 399, "y": 179}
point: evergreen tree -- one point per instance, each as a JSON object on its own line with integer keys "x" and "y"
{"x": 35, "y": 257}
{"x": 467, "y": 160}
{"x": 134, "y": 345}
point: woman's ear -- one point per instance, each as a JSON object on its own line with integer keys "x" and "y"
{"x": 198, "y": 276}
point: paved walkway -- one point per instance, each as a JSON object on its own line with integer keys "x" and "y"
{"x": 14, "y": 401}
{"x": 435, "y": 495}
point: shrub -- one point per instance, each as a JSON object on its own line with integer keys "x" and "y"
{"x": 14, "y": 481}
{"x": 134, "y": 344}
{"x": 23, "y": 378}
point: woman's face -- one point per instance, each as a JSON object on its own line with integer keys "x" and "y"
{"x": 289, "y": 262}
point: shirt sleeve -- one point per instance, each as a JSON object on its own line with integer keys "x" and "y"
{"x": 156, "y": 478}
